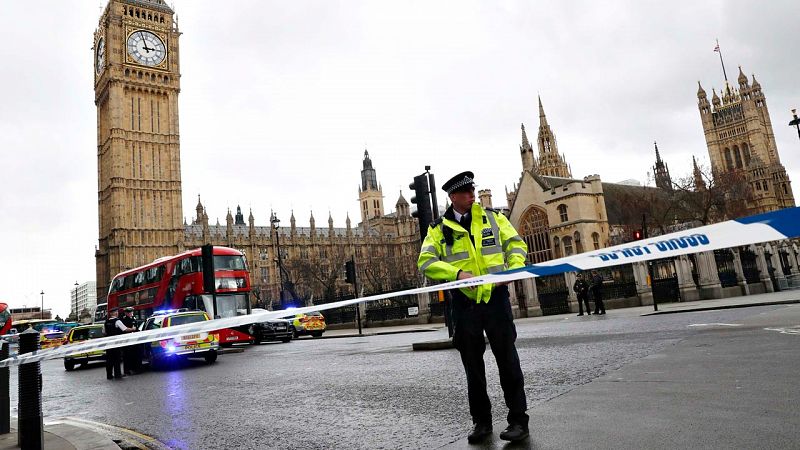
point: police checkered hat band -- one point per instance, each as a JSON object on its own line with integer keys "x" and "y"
{"x": 460, "y": 184}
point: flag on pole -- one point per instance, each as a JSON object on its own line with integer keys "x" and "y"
{"x": 716, "y": 48}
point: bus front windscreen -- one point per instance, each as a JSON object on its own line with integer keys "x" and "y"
{"x": 224, "y": 262}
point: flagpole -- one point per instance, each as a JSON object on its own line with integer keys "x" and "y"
{"x": 719, "y": 50}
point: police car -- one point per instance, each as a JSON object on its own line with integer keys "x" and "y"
{"x": 79, "y": 334}
{"x": 196, "y": 345}
{"x": 312, "y": 323}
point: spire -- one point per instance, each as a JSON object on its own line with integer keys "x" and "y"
{"x": 714, "y": 97}
{"x": 330, "y": 220}
{"x": 369, "y": 179}
{"x": 661, "y": 172}
{"x": 550, "y": 163}
{"x": 756, "y": 84}
{"x": 699, "y": 183}
{"x": 311, "y": 220}
{"x": 701, "y": 93}
{"x": 526, "y": 152}
{"x": 239, "y": 216}
{"x": 348, "y": 222}
{"x": 742, "y": 78}
{"x": 542, "y": 117}
{"x": 250, "y": 219}
{"x": 525, "y": 143}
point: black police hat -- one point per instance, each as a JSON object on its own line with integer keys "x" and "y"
{"x": 461, "y": 182}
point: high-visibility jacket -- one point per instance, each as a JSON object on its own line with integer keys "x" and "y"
{"x": 497, "y": 247}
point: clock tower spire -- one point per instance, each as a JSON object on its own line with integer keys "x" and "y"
{"x": 137, "y": 81}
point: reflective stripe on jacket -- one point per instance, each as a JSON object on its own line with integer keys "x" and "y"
{"x": 497, "y": 247}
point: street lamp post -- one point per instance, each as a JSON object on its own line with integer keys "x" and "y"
{"x": 76, "y": 301}
{"x": 42, "y": 311}
{"x": 275, "y": 224}
{"x": 795, "y": 122}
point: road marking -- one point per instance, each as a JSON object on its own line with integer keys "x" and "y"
{"x": 715, "y": 325}
{"x": 788, "y": 330}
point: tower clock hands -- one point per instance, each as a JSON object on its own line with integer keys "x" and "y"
{"x": 144, "y": 43}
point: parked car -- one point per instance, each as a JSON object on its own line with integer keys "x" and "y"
{"x": 271, "y": 330}
{"x": 312, "y": 323}
{"x": 79, "y": 334}
{"x": 197, "y": 345}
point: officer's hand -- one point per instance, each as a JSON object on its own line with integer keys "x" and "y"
{"x": 463, "y": 275}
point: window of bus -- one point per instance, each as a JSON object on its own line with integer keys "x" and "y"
{"x": 224, "y": 262}
{"x": 229, "y": 305}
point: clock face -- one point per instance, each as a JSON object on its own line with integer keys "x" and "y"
{"x": 100, "y": 55}
{"x": 146, "y": 48}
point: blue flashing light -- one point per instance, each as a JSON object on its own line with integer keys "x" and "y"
{"x": 170, "y": 348}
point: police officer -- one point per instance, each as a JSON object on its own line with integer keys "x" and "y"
{"x": 470, "y": 241}
{"x": 130, "y": 354}
{"x": 114, "y": 327}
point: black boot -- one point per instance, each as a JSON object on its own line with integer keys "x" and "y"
{"x": 514, "y": 433}
{"x": 479, "y": 433}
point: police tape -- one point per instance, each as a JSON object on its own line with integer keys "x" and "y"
{"x": 772, "y": 226}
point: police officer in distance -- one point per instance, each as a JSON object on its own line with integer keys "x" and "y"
{"x": 114, "y": 327}
{"x": 131, "y": 359}
{"x": 469, "y": 241}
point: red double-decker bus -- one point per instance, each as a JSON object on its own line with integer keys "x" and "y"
{"x": 174, "y": 282}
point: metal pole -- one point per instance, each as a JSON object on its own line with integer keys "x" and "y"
{"x": 41, "y": 316}
{"x": 5, "y": 400}
{"x": 30, "y": 423}
{"x": 355, "y": 292}
{"x": 76, "y": 302}
{"x": 432, "y": 190}
{"x": 649, "y": 266}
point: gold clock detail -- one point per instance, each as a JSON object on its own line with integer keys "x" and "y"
{"x": 146, "y": 48}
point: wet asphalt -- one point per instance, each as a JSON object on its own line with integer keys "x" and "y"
{"x": 361, "y": 392}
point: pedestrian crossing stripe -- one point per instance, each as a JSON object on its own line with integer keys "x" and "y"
{"x": 771, "y": 226}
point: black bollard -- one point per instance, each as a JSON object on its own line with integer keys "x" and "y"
{"x": 5, "y": 396}
{"x": 30, "y": 423}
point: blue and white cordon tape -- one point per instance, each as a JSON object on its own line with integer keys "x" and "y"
{"x": 771, "y": 226}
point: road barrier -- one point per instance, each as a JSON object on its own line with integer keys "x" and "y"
{"x": 772, "y": 226}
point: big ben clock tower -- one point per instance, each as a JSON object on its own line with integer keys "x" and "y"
{"x": 136, "y": 84}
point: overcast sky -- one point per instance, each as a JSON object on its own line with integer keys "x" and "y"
{"x": 279, "y": 99}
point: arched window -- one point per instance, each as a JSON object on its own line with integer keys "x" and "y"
{"x": 534, "y": 230}
{"x": 578, "y": 243}
{"x": 596, "y": 240}
{"x": 728, "y": 160}
{"x": 567, "y": 246}
{"x": 562, "y": 212}
{"x": 738, "y": 156}
{"x": 557, "y": 247}
{"x": 746, "y": 152}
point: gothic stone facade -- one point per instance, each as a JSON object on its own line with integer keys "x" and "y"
{"x": 740, "y": 139}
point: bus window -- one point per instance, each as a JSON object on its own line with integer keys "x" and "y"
{"x": 229, "y": 263}
{"x": 116, "y": 285}
{"x": 138, "y": 279}
{"x": 154, "y": 274}
{"x": 128, "y": 283}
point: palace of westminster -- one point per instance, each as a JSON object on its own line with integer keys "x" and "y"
{"x": 137, "y": 81}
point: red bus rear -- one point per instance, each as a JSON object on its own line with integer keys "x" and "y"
{"x": 177, "y": 282}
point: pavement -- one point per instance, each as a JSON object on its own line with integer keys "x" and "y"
{"x": 714, "y": 401}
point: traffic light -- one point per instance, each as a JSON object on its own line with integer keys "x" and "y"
{"x": 637, "y": 234}
{"x": 350, "y": 272}
{"x": 423, "y": 201}
{"x": 207, "y": 257}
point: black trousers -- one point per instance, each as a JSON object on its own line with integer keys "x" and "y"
{"x": 471, "y": 319}
{"x": 131, "y": 358}
{"x": 598, "y": 301}
{"x": 583, "y": 299}
{"x": 113, "y": 363}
